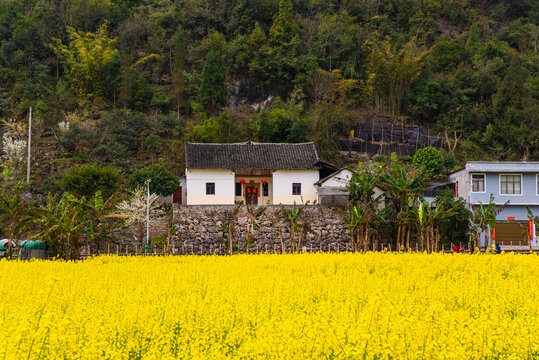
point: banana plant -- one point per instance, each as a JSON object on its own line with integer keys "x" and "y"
{"x": 62, "y": 222}
{"x": 228, "y": 226}
{"x": 102, "y": 217}
{"x": 14, "y": 211}
{"x": 484, "y": 218}
{"x": 292, "y": 216}
{"x": 253, "y": 215}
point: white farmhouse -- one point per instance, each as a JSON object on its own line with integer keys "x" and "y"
{"x": 333, "y": 189}
{"x": 251, "y": 173}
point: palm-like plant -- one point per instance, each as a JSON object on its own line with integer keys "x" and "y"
{"x": 293, "y": 217}
{"x": 102, "y": 217}
{"x": 363, "y": 207}
{"x": 230, "y": 218}
{"x": 484, "y": 219}
{"x": 351, "y": 217}
{"x": 14, "y": 211}
{"x": 253, "y": 215}
{"x": 402, "y": 185}
{"x": 535, "y": 220}
{"x": 62, "y": 223}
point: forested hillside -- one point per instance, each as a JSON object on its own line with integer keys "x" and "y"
{"x": 127, "y": 82}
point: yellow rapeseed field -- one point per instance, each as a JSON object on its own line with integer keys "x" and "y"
{"x": 305, "y": 306}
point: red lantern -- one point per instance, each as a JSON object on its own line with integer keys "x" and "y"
{"x": 264, "y": 181}
{"x": 242, "y": 181}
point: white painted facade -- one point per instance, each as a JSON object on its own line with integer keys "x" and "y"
{"x": 283, "y": 181}
{"x": 195, "y": 187}
{"x": 340, "y": 179}
{"x": 336, "y": 185}
{"x": 280, "y": 187}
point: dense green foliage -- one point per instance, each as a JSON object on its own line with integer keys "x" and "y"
{"x": 90, "y": 178}
{"x": 431, "y": 159}
{"x": 194, "y": 70}
{"x": 163, "y": 182}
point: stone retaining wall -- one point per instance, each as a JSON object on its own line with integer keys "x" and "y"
{"x": 201, "y": 229}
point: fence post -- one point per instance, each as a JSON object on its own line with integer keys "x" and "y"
{"x": 192, "y": 249}
{"x": 346, "y": 247}
{"x": 416, "y": 248}
{"x": 211, "y": 248}
{"x": 89, "y": 253}
{"x": 389, "y": 247}
{"x": 136, "y": 249}
{"x": 266, "y": 247}
{"x": 201, "y": 249}
{"x": 117, "y": 249}
{"x": 311, "y": 248}
{"x": 338, "y": 247}
{"x": 257, "y": 248}
{"x": 320, "y": 247}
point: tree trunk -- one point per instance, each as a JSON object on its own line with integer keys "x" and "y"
{"x": 366, "y": 240}
{"x": 230, "y": 239}
{"x": 292, "y": 238}
{"x": 409, "y": 230}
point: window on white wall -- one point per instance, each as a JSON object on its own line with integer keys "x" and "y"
{"x": 210, "y": 188}
{"x": 511, "y": 184}
{"x": 537, "y": 183}
{"x": 478, "y": 182}
{"x": 238, "y": 189}
{"x": 296, "y": 189}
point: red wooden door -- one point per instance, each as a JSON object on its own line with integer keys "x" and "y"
{"x": 177, "y": 197}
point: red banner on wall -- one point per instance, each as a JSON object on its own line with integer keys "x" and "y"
{"x": 530, "y": 229}
{"x": 494, "y": 234}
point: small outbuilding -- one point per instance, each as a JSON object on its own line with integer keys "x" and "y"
{"x": 32, "y": 249}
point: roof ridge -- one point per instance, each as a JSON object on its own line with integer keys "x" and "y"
{"x": 250, "y": 143}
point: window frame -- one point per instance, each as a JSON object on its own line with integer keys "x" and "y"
{"x": 537, "y": 184}
{"x": 500, "y": 184}
{"x": 236, "y": 189}
{"x": 294, "y": 187}
{"x": 484, "y": 183}
{"x": 210, "y": 186}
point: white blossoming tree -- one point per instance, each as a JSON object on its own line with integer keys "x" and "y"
{"x": 136, "y": 206}
{"x": 14, "y": 147}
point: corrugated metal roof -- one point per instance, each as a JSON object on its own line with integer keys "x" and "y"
{"x": 502, "y": 166}
{"x": 250, "y": 155}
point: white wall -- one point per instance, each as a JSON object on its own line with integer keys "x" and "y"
{"x": 282, "y": 186}
{"x": 195, "y": 183}
{"x": 340, "y": 179}
{"x": 183, "y": 184}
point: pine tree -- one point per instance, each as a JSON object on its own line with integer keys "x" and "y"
{"x": 213, "y": 91}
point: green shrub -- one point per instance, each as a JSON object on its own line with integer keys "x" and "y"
{"x": 87, "y": 179}
{"x": 431, "y": 159}
{"x": 163, "y": 182}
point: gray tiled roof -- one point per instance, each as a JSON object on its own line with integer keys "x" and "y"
{"x": 249, "y": 155}
{"x": 502, "y": 166}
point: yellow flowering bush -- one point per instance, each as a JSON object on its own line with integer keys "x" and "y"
{"x": 305, "y": 306}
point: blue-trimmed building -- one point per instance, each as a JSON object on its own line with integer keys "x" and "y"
{"x": 517, "y": 182}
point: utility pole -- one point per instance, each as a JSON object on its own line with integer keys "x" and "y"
{"x": 29, "y": 146}
{"x": 148, "y": 218}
